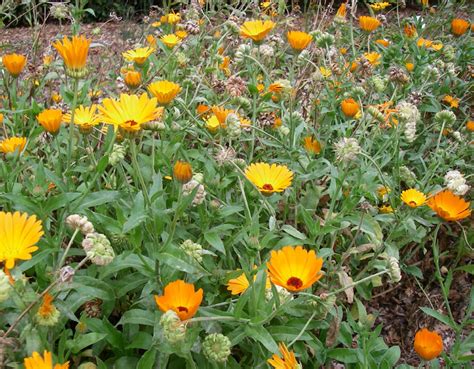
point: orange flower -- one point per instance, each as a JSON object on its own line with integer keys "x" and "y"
{"x": 384, "y": 43}
{"x": 221, "y": 114}
{"x": 14, "y": 63}
{"x": 151, "y": 41}
{"x": 449, "y": 206}
{"x": 452, "y": 101}
{"x": 428, "y": 345}
{"x": 294, "y": 268}
{"x": 287, "y": 360}
{"x": 239, "y": 285}
{"x": 311, "y": 145}
{"x": 47, "y": 307}
{"x": 470, "y": 125}
{"x": 409, "y": 66}
{"x": 182, "y": 171}
{"x": 36, "y": 361}
{"x": 51, "y": 120}
{"x": 373, "y": 58}
{"x": 12, "y": 144}
{"x": 256, "y": 30}
{"x": 341, "y": 12}
{"x": 410, "y": 30}
{"x": 180, "y": 297}
{"x": 299, "y": 40}
{"x": 459, "y": 26}
{"x": 133, "y": 79}
{"x": 368, "y": 24}
{"x": 74, "y": 53}
{"x": 350, "y": 107}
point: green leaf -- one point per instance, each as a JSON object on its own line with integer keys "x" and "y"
{"x": 85, "y": 340}
{"x": 344, "y": 355}
{"x": 469, "y": 268}
{"x": 441, "y": 317}
{"x": 141, "y": 340}
{"x": 293, "y": 232}
{"x": 261, "y": 335}
{"x": 179, "y": 264}
{"x": 391, "y": 356}
{"x": 215, "y": 241}
{"x": 138, "y": 316}
{"x": 137, "y": 215}
{"x": 96, "y": 199}
{"x": 148, "y": 360}
{"x": 59, "y": 201}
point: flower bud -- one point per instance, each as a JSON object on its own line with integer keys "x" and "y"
{"x": 216, "y": 347}
{"x": 117, "y": 154}
{"x": 5, "y": 286}
{"x": 182, "y": 171}
{"x": 394, "y": 269}
{"x": 192, "y": 249}
{"x": 98, "y": 249}
{"x": 445, "y": 117}
{"x": 81, "y": 223}
{"x": 173, "y": 329}
{"x": 47, "y": 314}
{"x": 87, "y": 366}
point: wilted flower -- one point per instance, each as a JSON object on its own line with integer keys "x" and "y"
{"x": 117, "y": 154}
{"x": 347, "y": 149}
{"x": 98, "y": 249}
{"x": 428, "y": 345}
{"x": 394, "y": 269}
{"x": 192, "y": 249}
{"x": 407, "y": 176}
{"x": 266, "y": 51}
{"x": 47, "y": 315}
{"x": 216, "y": 347}
{"x": 456, "y": 182}
{"x": 81, "y": 223}
{"x": 189, "y": 187}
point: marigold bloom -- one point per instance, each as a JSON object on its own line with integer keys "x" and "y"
{"x": 350, "y": 107}
{"x": 74, "y": 54}
{"x": 35, "y": 361}
{"x": 368, "y": 24}
{"x": 14, "y": 63}
{"x": 269, "y": 178}
{"x": 409, "y": 66}
{"x": 470, "y": 126}
{"x": 413, "y": 198}
{"x": 385, "y": 209}
{"x": 170, "y": 40}
{"x": 341, "y": 11}
{"x": 287, "y": 360}
{"x": 180, "y": 297}
{"x": 85, "y": 117}
{"x": 138, "y": 56}
{"x": 239, "y": 285}
{"x": 311, "y": 145}
{"x": 383, "y": 42}
{"x": 183, "y": 171}
{"x": 256, "y": 30}
{"x": 410, "y": 30}
{"x": 299, "y": 40}
{"x": 164, "y": 91}
{"x": 12, "y": 144}
{"x": 19, "y": 234}
{"x": 379, "y": 5}
{"x": 133, "y": 79}
{"x": 459, "y": 26}
{"x": 373, "y": 58}
{"x": 212, "y": 123}
{"x": 130, "y": 110}
{"x": 221, "y": 114}
{"x": 294, "y": 268}
{"x": 181, "y": 34}
{"x": 47, "y": 60}
{"x": 151, "y": 40}
{"x": 51, "y": 120}
{"x": 449, "y": 206}
{"x": 171, "y": 18}
{"x": 452, "y": 101}
{"x": 428, "y": 345}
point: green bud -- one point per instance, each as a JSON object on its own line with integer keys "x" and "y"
{"x": 216, "y": 347}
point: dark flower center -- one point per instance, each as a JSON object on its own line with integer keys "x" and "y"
{"x": 182, "y": 309}
{"x": 413, "y": 203}
{"x": 294, "y": 282}
{"x": 131, "y": 123}
{"x": 267, "y": 187}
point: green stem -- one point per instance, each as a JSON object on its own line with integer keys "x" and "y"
{"x": 136, "y": 168}
{"x": 75, "y": 87}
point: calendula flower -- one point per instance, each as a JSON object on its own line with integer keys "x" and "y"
{"x": 449, "y": 206}
{"x": 171, "y": 18}
{"x": 459, "y": 26}
{"x": 36, "y": 361}
{"x": 180, "y": 297}
{"x": 325, "y": 72}
{"x": 164, "y": 91}
{"x": 470, "y": 125}
{"x": 413, "y": 198}
{"x": 182, "y": 34}
{"x": 311, "y": 145}
{"x": 85, "y": 117}
{"x": 138, "y": 56}
{"x": 294, "y": 268}
{"x": 379, "y": 5}
{"x": 385, "y": 209}
{"x": 19, "y": 234}
{"x": 373, "y": 58}
{"x": 221, "y": 114}
{"x": 410, "y": 30}
{"x": 151, "y": 40}
{"x": 452, "y": 101}
{"x": 239, "y": 285}
{"x": 12, "y": 144}
{"x": 170, "y": 40}
{"x": 130, "y": 110}
{"x": 368, "y": 24}
{"x": 269, "y": 178}
{"x": 350, "y": 107}
{"x": 341, "y": 12}
{"x": 299, "y": 40}
{"x": 14, "y": 63}
{"x": 47, "y": 60}
{"x": 182, "y": 171}
{"x": 428, "y": 345}
{"x": 48, "y": 314}
{"x": 51, "y": 120}
{"x": 286, "y": 359}
{"x": 428, "y": 44}
{"x": 74, "y": 54}
{"x": 409, "y": 66}
{"x": 133, "y": 79}
{"x": 256, "y": 30}
{"x": 384, "y": 43}
{"x": 212, "y": 124}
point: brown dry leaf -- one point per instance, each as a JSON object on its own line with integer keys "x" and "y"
{"x": 345, "y": 280}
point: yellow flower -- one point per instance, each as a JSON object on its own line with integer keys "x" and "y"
{"x": 180, "y": 297}
{"x": 130, "y": 110}
{"x": 224, "y": 66}
{"x": 239, "y": 285}
{"x": 413, "y": 198}
{"x": 35, "y": 361}
{"x": 133, "y": 79}
{"x": 156, "y": 24}
{"x": 382, "y": 192}
{"x": 269, "y": 178}
{"x": 221, "y": 114}
{"x": 151, "y": 41}
{"x": 311, "y": 145}
{"x": 138, "y": 56}
{"x": 299, "y": 40}
{"x": 287, "y": 360}
{"x": 384, "y": 43}
{"x": 182, "y": 34}
{"x": 212, "y": 124}
{"x": 84, "y": 117}
{"x": 429, "y": 44}
{"x": 256, "y": 30}
{"x": 449, "y": 206}
{"x": 325, "y": 72}
{"x": 452, "y": 101}
{"x": 51, "y": 120}
{"x": 170, "y": 40}
{"x": 373, "y": 58}
{"x": 164, "y": 91}
{"x": 379, "y": 6}
{"x": 428, "y": 345}
{"x": 368, "y": 24}
{"x": 459, "y": 26}
{"x": 12, "y": 144}
{"x": 409, "y": 66}
{"x": 182, "y": 171}
{"x": 386, "y": 209}
{"x": 14, "y": 63}
{"x": 74, "y": 54}
{"x": 171, "y": 18}
{"x": 294, "y": 268}
{"x": 19, "y": 234}
{"x": 47, "y": 60}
